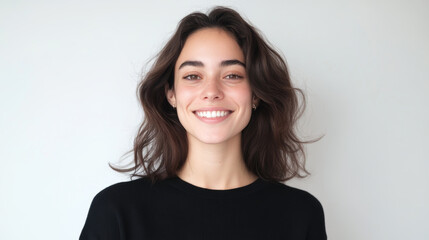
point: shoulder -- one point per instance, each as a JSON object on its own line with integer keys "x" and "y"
{"x": 304, "y": 208}
{"x": 124, "y": 190}
{"x": 300, "y": 200}
{"x": 110, "y": 204}
{"x": 294, "y": 194}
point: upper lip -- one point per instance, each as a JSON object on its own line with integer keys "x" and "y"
{"x": 212, "y": 109}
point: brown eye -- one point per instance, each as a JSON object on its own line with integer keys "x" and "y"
{"x": 233, "y": 76}
{"x": 192, "y": 77}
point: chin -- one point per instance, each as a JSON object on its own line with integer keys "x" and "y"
{"x": 212, "y": 140}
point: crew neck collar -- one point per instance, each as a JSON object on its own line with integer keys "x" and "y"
{"x": 214, "y": 193}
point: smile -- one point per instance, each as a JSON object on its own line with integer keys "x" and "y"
{"x": 212, "y": 114}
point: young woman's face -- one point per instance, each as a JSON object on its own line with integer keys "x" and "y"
{"x": 211, "y": 90}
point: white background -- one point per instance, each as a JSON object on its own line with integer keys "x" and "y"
{"x": 69, "y": 71}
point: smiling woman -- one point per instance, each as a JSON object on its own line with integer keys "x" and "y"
{"x": 217, "y": 141}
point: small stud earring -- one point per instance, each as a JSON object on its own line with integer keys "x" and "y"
{"x": 254, "y": 106}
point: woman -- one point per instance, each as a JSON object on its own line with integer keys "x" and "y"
{"x": 217, "y": 139}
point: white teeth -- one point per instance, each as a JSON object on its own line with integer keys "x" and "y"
{"x": 212, "y": 114}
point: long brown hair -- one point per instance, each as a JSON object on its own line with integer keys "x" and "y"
{"x": 270, "y": 146}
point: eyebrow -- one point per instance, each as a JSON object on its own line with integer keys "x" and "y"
{"x": 224, "y": 63}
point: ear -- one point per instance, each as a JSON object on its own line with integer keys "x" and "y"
{"x": 171, "y": 96}
{"x": 255, "y": 100}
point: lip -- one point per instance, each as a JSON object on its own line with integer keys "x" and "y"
{"x": 212, "y": 109}
{"x": 215, "y": 119}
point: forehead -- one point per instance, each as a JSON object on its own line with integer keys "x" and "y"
{"x": 210, "y": 45}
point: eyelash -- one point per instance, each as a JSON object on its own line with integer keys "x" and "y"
{"x": 233, "y": 76}
{"x": 192, "y": 77}
{"x": 196, "y": 77}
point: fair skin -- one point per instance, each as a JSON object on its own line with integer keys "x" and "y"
{"x": 213, "y": 100}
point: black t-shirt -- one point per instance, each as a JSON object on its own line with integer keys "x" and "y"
{"x": 175, "y": 209}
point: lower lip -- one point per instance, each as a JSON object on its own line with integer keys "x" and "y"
{"x": 212, "y": 120}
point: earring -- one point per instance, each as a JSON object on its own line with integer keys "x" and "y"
{"x": 174, "y": 105}
{"x": 254, "y": 100}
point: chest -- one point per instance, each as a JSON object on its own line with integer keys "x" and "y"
{"x": 206, "y": 219}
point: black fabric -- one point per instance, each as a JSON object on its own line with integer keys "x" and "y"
{"x": 175, "y": 209}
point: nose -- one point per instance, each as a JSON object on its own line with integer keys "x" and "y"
{"x": 212, "y": 90}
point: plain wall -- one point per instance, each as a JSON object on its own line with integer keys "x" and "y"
{"x": 69, "y": 71}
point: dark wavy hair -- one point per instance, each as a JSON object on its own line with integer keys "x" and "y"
{"x": 271, "y": 149}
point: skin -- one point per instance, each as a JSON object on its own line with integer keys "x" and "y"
{"x": 210, "y": 76}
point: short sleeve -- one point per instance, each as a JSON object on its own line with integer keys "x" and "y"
{"x": 317, "y": 229}
{"x": 101, "y": 222}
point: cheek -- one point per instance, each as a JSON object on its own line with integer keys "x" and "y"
{"x": 243, "y": 95}
{"x": 184, "y": 96}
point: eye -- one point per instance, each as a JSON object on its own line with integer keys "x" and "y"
{"x": 233, "y": 76}
{"x": 192, "y": 77}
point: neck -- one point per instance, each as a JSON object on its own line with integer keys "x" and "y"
{"x": 216, "y": 166}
